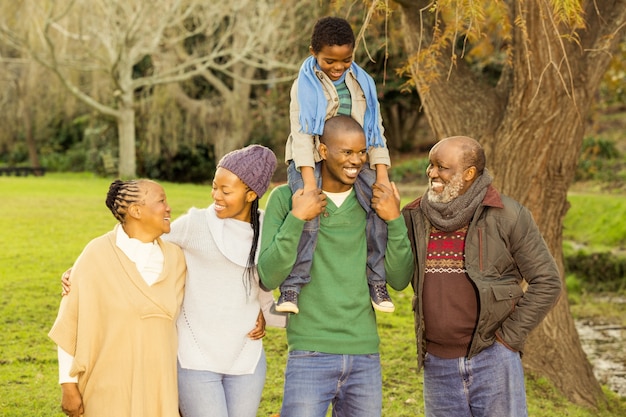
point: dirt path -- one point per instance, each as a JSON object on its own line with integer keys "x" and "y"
{"x": 604, "y": 345}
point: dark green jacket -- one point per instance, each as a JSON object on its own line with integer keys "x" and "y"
{"x": 503, "y": 246}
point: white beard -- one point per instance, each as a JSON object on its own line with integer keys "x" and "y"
{"x": 450, "y": 190}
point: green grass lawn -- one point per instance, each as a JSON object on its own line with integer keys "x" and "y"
{"x": 596, "y": 220}
{"x": 45, "y": 223}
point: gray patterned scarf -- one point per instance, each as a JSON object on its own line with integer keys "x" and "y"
{"x": 457, "y": 213}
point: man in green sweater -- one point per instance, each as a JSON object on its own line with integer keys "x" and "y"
{"x": 333, "y": 341}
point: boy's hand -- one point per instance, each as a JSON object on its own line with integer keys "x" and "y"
{"x": 386, "y": 201}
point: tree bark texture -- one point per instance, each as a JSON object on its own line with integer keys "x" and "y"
{"x": 24, "y": 85}
{"x": 125, "y": 117}
{"x": 26, "y": 114}
{"x": 126, "y": 136}
{"x": 531, "y": 125}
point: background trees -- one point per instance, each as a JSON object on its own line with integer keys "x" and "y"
{"x": 192, "y": 81}
{"x": 104, "y": 39}
{"x": 123, "y": 49}
{"x": 529, "y": 114}
{"x": 254, "y": 46}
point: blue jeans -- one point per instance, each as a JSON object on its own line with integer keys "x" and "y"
{"x": 209, "y": 394}
{"x": 491, "y": 384}
{"x": 376, "y": 232}
{"x": 314, "y": 380}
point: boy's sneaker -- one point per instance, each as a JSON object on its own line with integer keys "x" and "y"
{"x": 381, "y": 299}
{"x": 288, "y": 302}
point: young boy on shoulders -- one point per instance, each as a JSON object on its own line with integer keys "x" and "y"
{"x": 330, "y": 83}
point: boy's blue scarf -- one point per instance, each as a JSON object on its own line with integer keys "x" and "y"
{"x": 313, "y": 102}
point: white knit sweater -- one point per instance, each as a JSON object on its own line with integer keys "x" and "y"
{"x": 219, "y": 307}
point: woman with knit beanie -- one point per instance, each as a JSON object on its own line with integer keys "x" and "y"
{"x": 221, "y": 362}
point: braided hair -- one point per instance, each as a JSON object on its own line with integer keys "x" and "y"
{"x": 121, "y": 195}
{"x": 249, "y": 272}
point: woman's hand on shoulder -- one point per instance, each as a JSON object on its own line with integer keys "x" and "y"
{"x": 259, "y": 330}
{"x": 65, "y": 283}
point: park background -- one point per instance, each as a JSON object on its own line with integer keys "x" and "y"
{"x": 184, "y": 82}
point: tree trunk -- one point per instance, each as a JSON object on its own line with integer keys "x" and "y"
{"x": 25, "y": 113}
{"x": 126, "y": 136}
{"x": 531, "y": 125}
{"x": 235, "y": 124}
{"x": 31, "y": 144}
{"x": 125, "y": 118}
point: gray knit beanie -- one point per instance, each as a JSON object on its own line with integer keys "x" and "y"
{"x": 254, "y": 165}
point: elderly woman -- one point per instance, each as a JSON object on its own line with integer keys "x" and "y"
{"x": 116, "y": 330}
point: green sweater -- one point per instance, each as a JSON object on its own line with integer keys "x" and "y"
{"x": 336, "y": 315}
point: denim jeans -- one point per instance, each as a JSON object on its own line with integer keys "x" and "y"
{"x": 491, "y": 384}
{"x": 376, "y": 232}
{"x": 209, "y": 394}
{"x": 314, "y": 380}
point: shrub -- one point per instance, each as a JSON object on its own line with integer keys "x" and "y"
{"x": 410, "y": 170}
{"x": 602, "y": 271}
{"x": 193, "y": 165}
{"x": 599, "y": 160}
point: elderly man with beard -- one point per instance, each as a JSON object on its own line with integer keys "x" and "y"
{"x": 473, "y": 247}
